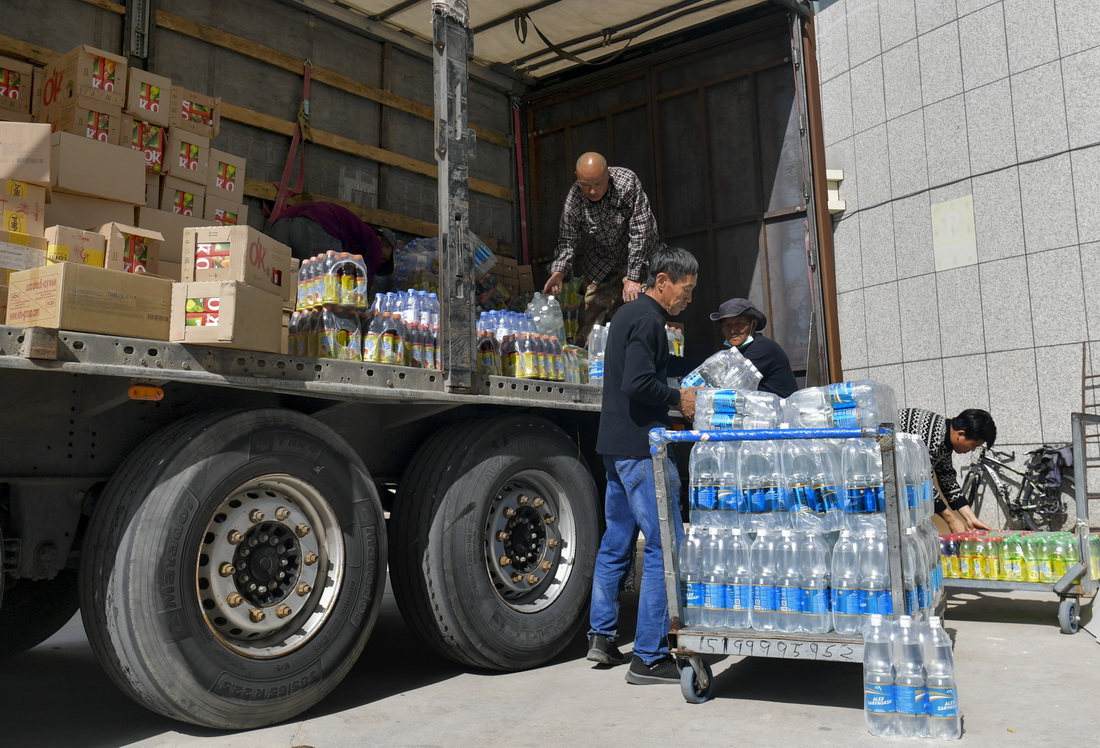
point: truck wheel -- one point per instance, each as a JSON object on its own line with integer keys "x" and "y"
{"x": 495, "y": 532}
{"x": 35, "y": 609}
{"x": 235, "y": 568}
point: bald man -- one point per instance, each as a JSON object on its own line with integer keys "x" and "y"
{"x": 608, "y": 220}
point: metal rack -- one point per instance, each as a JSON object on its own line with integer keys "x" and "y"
{"x": 1077, "y": 582}
{"x": 689, "y": 646}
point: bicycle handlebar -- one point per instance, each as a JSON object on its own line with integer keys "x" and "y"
{"x": 1003, "y": 456}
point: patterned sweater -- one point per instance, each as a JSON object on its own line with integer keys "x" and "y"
{"x": 935, "y": 430}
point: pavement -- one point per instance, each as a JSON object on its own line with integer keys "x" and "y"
{"x": 1021, "y": 683}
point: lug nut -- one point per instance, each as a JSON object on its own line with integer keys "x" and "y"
{"x": 282, "y": 513}
{"x": 310, "y": 558}
{"x": 504, "y": 560}
{"x": 235, "y": 537}
{"x": 234, "y": 599}
{"x": 256, "y": 516}
{"x": 256, "y": 615}
{"x": 553, "y": 543}
{"x": 301, "y": 530}
{"x": 550, "y": 519}
{"x": 226, "y": 569}
{"x": 537, "y": 502}
{"x": 502, "y": 536}
{"x": 545, "y": 565}
{"x": 304, "y": 589}
{"x": 522, "y": 500}
{"x": 283, "y": 611}
{"x": 532, "y": 579}
{"x": 517, "y": 578}
{"x": 509, "y": 512}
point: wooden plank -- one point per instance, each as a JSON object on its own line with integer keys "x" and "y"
{"x": 234, "y": 43}
{"x": 29, "y": 52}
{"x": 107, "y": 5}
{"x": 373, "y": 216}
{"x": 353, "y": 147}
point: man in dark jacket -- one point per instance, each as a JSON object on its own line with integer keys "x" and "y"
{"x": 741, "y": 326}
{"x": 636, "y": 398}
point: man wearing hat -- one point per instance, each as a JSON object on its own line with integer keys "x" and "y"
{"x": 741, "y": 326}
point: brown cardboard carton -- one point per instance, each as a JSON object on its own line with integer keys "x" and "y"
{"x": 85, "y": 167}
{"x": 23, "y": 207}
{"x": 152, "y": 191}
{"x": 20, "y": 252}
{"x": 224, "y": 212}
{"x": 187, "y": 156}
{"x": 64, "y": 244}
{"x": 226, "y": 176}
{"x": 148, "y": 97}
{"x": 16, "y": 86}
{"x": 3, "y": 303}
{"x": 88, "y": 118}
{"x": 7, "y": 115}
{"x": 178, "y": 196}
{"x": 25, "y": 155}
{"x": 237, "y": 253}
{"x": 170, "y": 226}
{"x": 69, "y": 296}
{"x": 173, "y": 271}
{"x": 84, "y": 72}
{"x": 196, "y": 112}
{"x": 150, "y": 139}
{"x": 131, "y": 249}
{"x": 85, "y": 212}
{"x": 226, "y": 313}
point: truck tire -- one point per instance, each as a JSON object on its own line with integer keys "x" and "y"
{"x": 235, "y": 568}
{"x": 494, "y": 536}
{"x": 33, "y": 610}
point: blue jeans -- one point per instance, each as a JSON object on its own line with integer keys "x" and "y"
{"x": 631, "y": 505}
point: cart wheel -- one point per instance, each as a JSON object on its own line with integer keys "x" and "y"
{"x": 696, "y": 692}
{"x": 1069, "y": 615}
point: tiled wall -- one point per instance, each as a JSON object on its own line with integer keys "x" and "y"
{"x": 930, "y": 100}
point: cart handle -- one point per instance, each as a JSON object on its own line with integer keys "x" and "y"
{"x": 667, "y": 436}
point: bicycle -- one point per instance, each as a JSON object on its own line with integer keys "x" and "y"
{"x": 1036, "y": 502}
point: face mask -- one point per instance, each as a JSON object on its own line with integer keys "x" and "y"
{"x": 747, "y": 341}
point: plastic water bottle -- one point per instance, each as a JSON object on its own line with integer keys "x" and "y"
{"x": 738, "y": 581}
{"x": 815, "y": 584}
{"x": 874, "y": 574}
{"x": 805, "y": 484}
{"x": 808, "y": 408}
{"x": 788, "y": 563}
{"x": 944, "y": 717}
{"x": 729, "y": 498}
{"x": 762, "y": 567}
{"x": 704, "y": 471}
{"x": 713, "y": 553}
{"x": 761, "y": 480}
{"x": 827, "y": 456}
{"x": 728, "y": 369}
{"x": 846, "y": 602}
{"x": 913, "y": 600}
{"x": 691, "y": 578}
{"x": 862, "y": 465}
{"x": 910, "y": 698}
{"x": 878, "y": 678}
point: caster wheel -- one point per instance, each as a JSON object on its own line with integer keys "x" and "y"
{"x": 1069, "y": 615}
{"x": 696, "y": 686}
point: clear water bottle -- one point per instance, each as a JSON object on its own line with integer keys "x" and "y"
{"x": 863, "y": 490}
{"x": 738, "y": 581}
{"x": 910, "y": 698}
{"x": 874, "y": 573}
{"x": 728, "y": 369}
{"x": 729, "y": 503}
{"x": 704, "y": 471}
{"x": 910, "y": 561}
{"x": 805, "y": 484}
{"x": 808, "y": 409}
{"x": 827, "y": 456}
{"x": 761, "y": 479}
{"x": 762, "y": 568}
{"x": 788, "y": 564}
{"x": 691, "y": 578}
{"x": 878, "y": 678}
{"x": 846, "y": 595}
{"x": 815, "y": 584}
{"x": 944, "y": 717}
{"x": 713, "y": 553}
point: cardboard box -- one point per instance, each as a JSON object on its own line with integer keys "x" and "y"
{"x": 226, "y": 178}
{"x": 20, "y": 252}
{"x": 170, "y": 226}
{"x": 178, "y": 196}
{"x": 224, "y": 212}
{"x": 151, "y": 140}
{"x": 84, "y": 212}
{"x": 84, "y": 72}
{"x": 173, "y": 271}
{"x": 69, "y": 296}
{"x": 16, "y": 86}
{"x": 88, "y": 118}
{"x": 290, "y": 300}
{"x": 131, "y": 249}
{"x": 239, "y": 253}
{"x": 23, "y": 206}
{"x": 64, "y": 244}
{"x": 188, "y": 156}
{"x": 3, "y": 303}
{"x": 226, "y": 313}
{"x": 148, "y": 97}
{"x": 25, "y": 152}
{"x": 526, "y": 278}
{"x": 85, "y": 167}
{"x": 7, "y": 115}
{"x": 196, "y": 112}
{"x": 152, "y": 191}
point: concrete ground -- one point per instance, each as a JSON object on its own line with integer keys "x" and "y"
{"x": 1021, "y": 682}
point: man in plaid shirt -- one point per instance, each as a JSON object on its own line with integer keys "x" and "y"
{"x": 607, "y": 216}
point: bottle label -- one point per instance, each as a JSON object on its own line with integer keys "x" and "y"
{"x": 763, "y": 597}
{"x": 914, "y": 494}
{"x": 694, "y": 379}
{"x": 805, "y": 499}
{"x": 912, "y": 602}
{"x": 830, "y": 498}
{"x": 846, "y": 602}
{"x": 726, "y": 401}
{"x": 845, "y": 419}
{"x": 370, "y": 347}
{"x": 789, "y": 599}
{"x": 815, "y": 600}
{"x": 714, "y": 596}
{"x": 942, "y": 703}
{"x": 693, "y": 594}
{"x": 704, "y": 497}
{"x": 757, "y": 499}
{"x": 738, "y": 597}
{"x": 842, "y": 395}
{"x": 724, "y": 421}
{"x": 595, "y": 369}
{"x": 908, "y": 700}
{"x": 878, "y": 698}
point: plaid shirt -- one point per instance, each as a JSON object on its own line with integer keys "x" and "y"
{"x": 933, "y": 429}
{"x": 620, "y": 229}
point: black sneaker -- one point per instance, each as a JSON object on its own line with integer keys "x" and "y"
{"x": 604, "y": 652}
{"x": 663, "y": 670}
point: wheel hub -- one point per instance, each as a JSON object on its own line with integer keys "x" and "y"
{"x": 525, "y": 539}
{"x": 267, "y": 563}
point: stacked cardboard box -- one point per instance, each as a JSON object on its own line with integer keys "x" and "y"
{"x": 225, "y": 190}
{"x": 16, "y": 90}
{"x": 24, "y": 182}
{"x": 517, "y": 279}
{"x": 83, "y": 92}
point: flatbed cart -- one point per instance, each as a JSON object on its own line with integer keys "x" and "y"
{"x": 1078, "y": 581}
{"x": 696, "y": 649}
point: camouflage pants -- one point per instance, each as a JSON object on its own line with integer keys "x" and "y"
{"x": 601, "y": 301}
